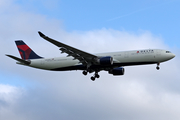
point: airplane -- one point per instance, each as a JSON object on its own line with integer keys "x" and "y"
{"x": 112, "y": 62}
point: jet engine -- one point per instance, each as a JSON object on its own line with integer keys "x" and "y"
{"x": 105, "y": 61}
{"x": 117, "y": 71}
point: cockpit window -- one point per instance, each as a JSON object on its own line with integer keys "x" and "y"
{"x": 168, "y": 52}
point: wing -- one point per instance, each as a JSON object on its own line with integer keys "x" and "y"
{"x": 84, "y": 57}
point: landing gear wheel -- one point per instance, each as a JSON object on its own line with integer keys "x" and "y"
{"x": 97, "y": 76}
{"x": 157, "y": 67}
{"x": 93, "y": 78}
{"x": 84, "y": 72}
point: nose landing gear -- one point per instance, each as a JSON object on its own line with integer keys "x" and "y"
{"x": 158, "y": 66}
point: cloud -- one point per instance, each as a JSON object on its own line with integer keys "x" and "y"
{"x": 142, "y": 93}
{"x": 9, "y": 96}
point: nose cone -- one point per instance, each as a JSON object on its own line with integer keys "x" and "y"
{"x": 166, "y": 56}
{"x": 173, "y": 55}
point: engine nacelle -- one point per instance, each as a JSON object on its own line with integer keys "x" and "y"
{"x": 105, "y": 61}
{"x": 117, "y": 71}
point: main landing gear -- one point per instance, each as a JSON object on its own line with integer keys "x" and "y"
{"x": 84, "y": 72}
{"x": 96, "y": 75}
{"x": 158, "y": 66}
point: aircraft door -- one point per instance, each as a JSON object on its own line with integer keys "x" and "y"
{"x": 158, "y": 54}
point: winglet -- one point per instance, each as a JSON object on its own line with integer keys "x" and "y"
{"x": 41, "y": 34}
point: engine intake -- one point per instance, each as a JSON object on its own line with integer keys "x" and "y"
{"x": 105, "y": 61}
{"x": 117, "y": 71}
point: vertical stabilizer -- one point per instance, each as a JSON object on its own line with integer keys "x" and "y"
{"x": 25, "y": 51}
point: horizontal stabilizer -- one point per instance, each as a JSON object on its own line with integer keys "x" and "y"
{"x": 20, "y": 60}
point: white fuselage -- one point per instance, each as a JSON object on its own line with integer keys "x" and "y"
{"x": 124, "y": 58}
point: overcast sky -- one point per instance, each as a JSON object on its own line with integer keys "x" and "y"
{"x": 143, "y": 93}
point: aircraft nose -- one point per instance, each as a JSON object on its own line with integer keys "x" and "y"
{"x": 173, "y": 55}
{"x": 170, "y": 56}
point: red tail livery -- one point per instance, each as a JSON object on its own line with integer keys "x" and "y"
{"x": 25, "y": 51}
